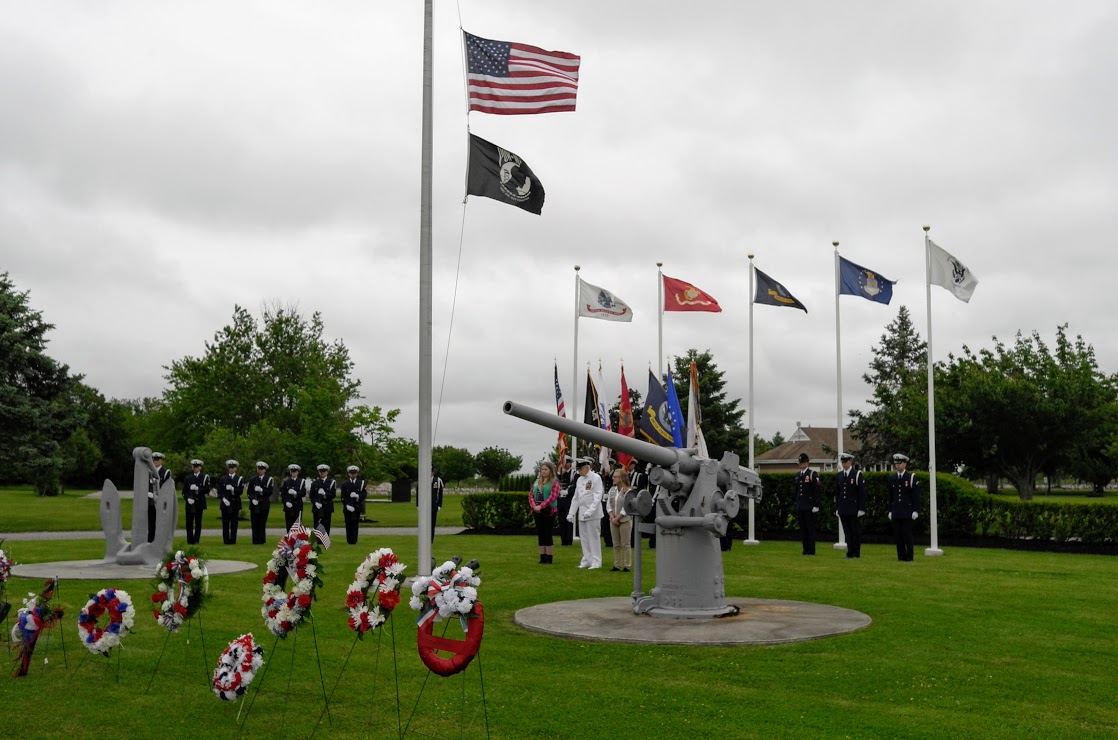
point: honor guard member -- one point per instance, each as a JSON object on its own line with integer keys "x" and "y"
{"x": 587, "y": 508}
{"x": 259, "y": 502}
{"x": 155, "y": 482}
{"x": 437, "y": 490}
{"x": 353, "y": 503}
{"x": 292, "y": 492}
{"x": 195, "y": 487}
{"x": 230, "y": 487}
{"x": 850, "y": 503}
{"x": 566, "y": 480}
{"x": 323, "y": 491}
{"x": 808, "y": 490}
{"x": 904, "y": 505}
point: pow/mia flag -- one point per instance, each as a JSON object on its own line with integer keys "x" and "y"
{"x": 772, "y": 293}
{"x": 501, "y": 175}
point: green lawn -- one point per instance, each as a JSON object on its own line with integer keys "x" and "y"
{"x": 1059, "y": 496}
{"x": 978, "y": 643}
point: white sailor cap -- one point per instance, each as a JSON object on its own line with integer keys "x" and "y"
{"x": 261, "y": 464}
{"x": 323, "y": 467}
{"x": 232, "y": 464}
{"x": 293, "y": 466}
{"x": 846, "y": 456}
{"x": 157, "y": 456}
{"x": 900, "y": 458}
{"x": 583, "y": 461}
{"x": 352, "y": 469}
{"x": 195, "y": 462}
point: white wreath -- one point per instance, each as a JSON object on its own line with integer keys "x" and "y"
{"x": 236, "y": 667}
{"x": 383, "y": 568}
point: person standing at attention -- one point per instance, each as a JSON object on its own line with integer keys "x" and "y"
{"x": 353, "y": 503}
{"x": 542, "y": 502}
{"x": 323, "y": 491}
{"x": 850, "y": 503}
{"x": 230, "y": 487}
{"x": 808, "y": 490}
{"x": 162, "y": 475}
{"x": 292, "y": 492}
{"x": 620, "y": 524}
{"x": 259, "y": 502}
{"x": 904, "y": 505}
{"x": 195, "y": 488}
{"x": 587, "y": 508}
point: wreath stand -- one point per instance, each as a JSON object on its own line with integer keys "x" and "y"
{"x": 259, "y": 682}
{"x": 370, "y": 720}
{"x": 111, "y": 662}
{"x": 462, "y": 700}
{"x": 206, "y": 669}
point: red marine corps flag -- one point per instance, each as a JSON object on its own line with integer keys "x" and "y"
{"x": 680, "y": 295}
{"x": 625, "y": 419}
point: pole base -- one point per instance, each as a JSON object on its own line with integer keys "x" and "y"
{"x": 933, "y": 552}
{"x": 840, "y": 545}
{"x": 751, "y": 542}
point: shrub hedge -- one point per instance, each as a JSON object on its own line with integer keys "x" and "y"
{"x": 966, "y": 514}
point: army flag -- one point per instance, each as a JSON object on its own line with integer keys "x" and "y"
{"x": 680, "y": 295}
{"x": 772, "y": 293}
{"x": 599, "y": 303}
{"x": 655, "y": 425}
{"x": 869, "y": 284}
{"x": 625, "y": 419}
{"x": 503, "y": 176}
{"x": 950, "y": 273}
{"x": 508, "y": 78}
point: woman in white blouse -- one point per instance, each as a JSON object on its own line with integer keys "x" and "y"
{"x": 620, "y": 525}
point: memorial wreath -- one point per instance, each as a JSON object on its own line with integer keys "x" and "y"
{"x": 182, "y": 583}
{"x": 448, "y": 591}
{"x": 381, "y": 571}
{"x": 115, "y": 603}
{"x": 237, "y": 667}
{"x": 32, "y": 620}
{"x": 296, "y": 557}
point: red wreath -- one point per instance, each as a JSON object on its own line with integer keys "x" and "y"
{"x": 463, "y": 650}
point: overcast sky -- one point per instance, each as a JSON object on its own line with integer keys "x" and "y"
{"x": 161, "y": 162}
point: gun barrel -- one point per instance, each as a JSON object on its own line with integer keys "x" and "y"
{"x": 663, "y": 456}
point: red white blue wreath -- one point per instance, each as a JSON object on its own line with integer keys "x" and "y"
{"x": 117, "y": 605}
{"x": 380, "y": 571}
{"x": 36, "y": 617}
{"x": 450, "y": 590}
{"x": 294, "y": 556}
{"x": 182, "y": 583}
{"x": 236, "y": 667}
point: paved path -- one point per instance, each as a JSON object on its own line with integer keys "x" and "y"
{"x": 241, "y": 534}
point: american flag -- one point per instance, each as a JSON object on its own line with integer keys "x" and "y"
{"x": 561, "y": 448}
{"x": 510, "y": 79}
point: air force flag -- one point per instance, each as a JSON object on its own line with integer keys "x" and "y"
{"x": 869, "y": 284}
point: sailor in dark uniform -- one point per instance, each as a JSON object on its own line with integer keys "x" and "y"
{"x": 293, "y": 490}
{"x": 259, "y": 502}
{"x": 230, "y": 487}
{"x": 567, "y": 480}
{"x": 195, "y": 488}
{"x": 904, "y": 505}
{"x": 438, "y": 488}
{"x": 353, "y": 503}
{"x": 850, "y": 502}
{"x": 808, "y": 490}
{"x": 323, "y": 491}
{"x": 155, "y": 482}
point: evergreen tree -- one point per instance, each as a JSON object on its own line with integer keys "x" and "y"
{"x": 721, "y": 418}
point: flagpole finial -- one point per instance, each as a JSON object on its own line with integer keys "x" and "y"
{"x": 577, "y": 268}
{"x": 927, "y": 228}
{"x": 750, "y": 256}
{"x": 659, "y": 264}
{"x": 835, "y": 243}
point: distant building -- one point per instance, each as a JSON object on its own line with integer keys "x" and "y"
{"x": 820, "y": 444}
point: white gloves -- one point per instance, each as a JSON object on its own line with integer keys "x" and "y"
{"x": 289, "y": 504}
{"x": 194, "y": 487}
{"x": 349, "y": 508}
{"x": 914, "y": 515}
{"x": 861, "y": 513}
{"x": 190, "y": 501}
{"x": 225, "y": 501}
{"x": 815, "y": 510}
{"x": 229, "y": 487}
{"x": 890, "y": 515}
{"x": 255, "y": 502}
{"x": 151, "y": 495}
{"x": 318, "y": 504}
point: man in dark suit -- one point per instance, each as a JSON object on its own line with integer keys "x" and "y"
{"x": 904, "y": 505}
{"x": 808, "y": 490}
{"x": 161, "y": 476}
{"x": 353, "y": 503}
{"x": 292, "y": 492}
{"x": 259, "y": 502}
{"x": 323, "y": 491}
{"x": 195, "y": 487}
{"x": 850, "y": 501}
{"x": 230, "y": 487}
{"x": 437, "y": 490}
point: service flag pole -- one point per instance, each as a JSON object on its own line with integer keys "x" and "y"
{"x": 423, "y": 491}
{"x": 574, "y": 368}
{"x": 751, "y": 540}
{"x": 841, "y": 544}
{"x": 660, "y": 320}
{"x": 932, "y": 510}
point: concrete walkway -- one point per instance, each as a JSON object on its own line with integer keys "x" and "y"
{"x": 242, "y": 533}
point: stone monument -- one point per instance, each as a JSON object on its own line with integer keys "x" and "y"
{"x": 139, "y": 551}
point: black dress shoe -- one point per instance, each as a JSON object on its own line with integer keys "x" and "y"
{"x": 615, "y": 568}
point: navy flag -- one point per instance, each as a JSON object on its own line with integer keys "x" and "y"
{"x": 501, "y": 175}
{"x": 655, "y": 425}
{"x": 772, "y": 293}
{"x": 869, "y": 284}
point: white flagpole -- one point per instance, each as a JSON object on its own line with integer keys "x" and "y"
{"x": 932, "y": 510}
{"x": 841, "y": 544}
{"x": 574, "y": 365}
{"x": 423, "y": 491}
{"x": 752, "y": 539}
{"x": 660, "y": 320}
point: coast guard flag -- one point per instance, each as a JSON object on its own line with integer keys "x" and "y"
{"x": 869, "y": 284}
{"x": 655, "y": 425}
{"x": 680, "y": 295}
{"x": 772, "y": 293}
{"x": 501, "y": 175}
{"x": 599, "y": 303}
{"x": 674, "y": 410}
{"x": 507, "y": 78}
{"x": 950, "y": 273}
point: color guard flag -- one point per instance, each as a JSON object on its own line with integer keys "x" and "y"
{"x": 674, "y": 410}
{"x": 561, "y": 408}
{"x": 655, "y": 425}
{"x": 683, "y": 296}
{"x": 625, "y": 419}
{"x": 694, "y": 417}
{"x": 590, "y": 409}
{"x": 950, "y": 273}
{"x": 501, "y": 175}
{"x": 599, "y": 303}
{"x": 857, "y": 280}
{"x": 507, "y": 78}
{"x": 772, "y": 293}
